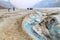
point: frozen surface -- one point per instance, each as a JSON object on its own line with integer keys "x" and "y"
{"x": 54, "y": 30}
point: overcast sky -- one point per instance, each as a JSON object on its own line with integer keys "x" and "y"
{"x": 24, "y": 3}
{"x": 34, "y": 3}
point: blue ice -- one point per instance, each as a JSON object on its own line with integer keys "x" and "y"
{"x": 54, "y": 31}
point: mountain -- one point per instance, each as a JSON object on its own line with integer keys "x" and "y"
{"x": 4, "y": 4}
{"x": 47, "y": 4}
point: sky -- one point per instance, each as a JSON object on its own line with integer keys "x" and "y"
{"x": 34, "y": 3}
{"x": 24, "y": 3}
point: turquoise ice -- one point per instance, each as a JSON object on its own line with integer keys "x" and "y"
{"x": 54, "y": 31}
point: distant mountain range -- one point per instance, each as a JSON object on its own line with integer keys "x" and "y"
{"x": 47, "y": 4}
{"x": 4, "y": 4}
